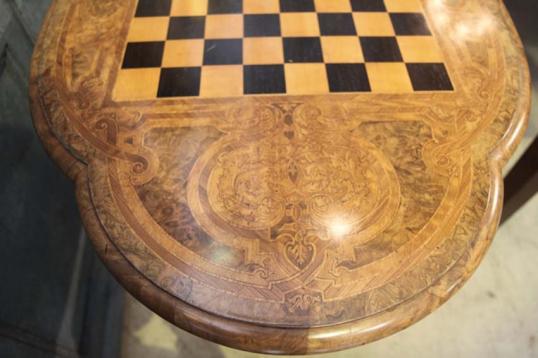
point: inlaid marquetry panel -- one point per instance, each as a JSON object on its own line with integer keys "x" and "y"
{"x": 297, "y": 188}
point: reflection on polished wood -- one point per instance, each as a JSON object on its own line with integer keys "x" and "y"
{"x": 286, "y": 222}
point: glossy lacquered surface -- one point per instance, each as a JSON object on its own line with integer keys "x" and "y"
{"x": 238, "y": 195}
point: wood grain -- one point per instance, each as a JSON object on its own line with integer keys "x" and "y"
{"x": 286, "y": 224}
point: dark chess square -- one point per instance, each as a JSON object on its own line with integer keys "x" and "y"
{"x": 186, "y": 28}
{"x": 302, "y": 49}
{"x": 380, "y": 49}
{"x": 179, "y": 82}
{"x": 223, "y": 52}
{"x": 153, "y": 8}
{"x": 225, "y": 7}
{"x": 297, "y": 5}
{"x": 348, "y": 78}
{"x": 409, "y": 24}
{"x": 336, "y": 24}
{"x": 259, "y": 79}
{"x": 262, "y": 25}
{"x": 429, "y": 77}
{"x": 143, "y": 54}
{"x": 368, "y": 5}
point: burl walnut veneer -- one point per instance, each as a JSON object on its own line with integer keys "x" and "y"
{"x": 284, "y": 176}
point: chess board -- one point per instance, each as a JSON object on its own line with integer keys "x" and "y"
{"x": 225, "y": 48}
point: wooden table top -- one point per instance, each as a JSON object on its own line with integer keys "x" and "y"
{"x": 290, "y": 176}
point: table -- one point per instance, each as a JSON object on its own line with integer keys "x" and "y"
{"x": 291, "y": 176}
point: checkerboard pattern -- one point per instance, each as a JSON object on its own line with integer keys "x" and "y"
{"x": 221, "y": 48}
